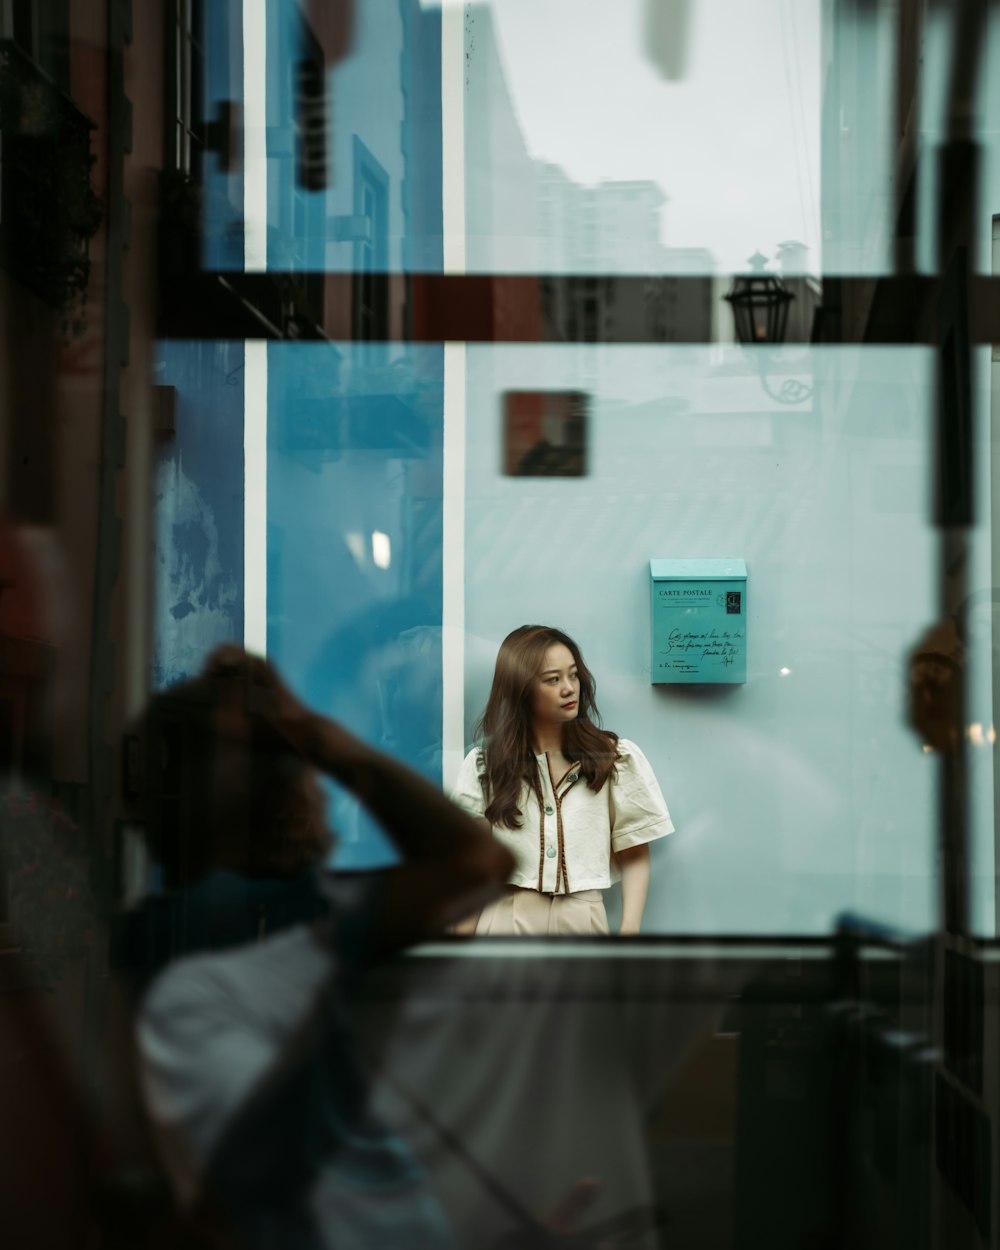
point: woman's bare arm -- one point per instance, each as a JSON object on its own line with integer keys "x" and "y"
{"x": 634, "y": 862}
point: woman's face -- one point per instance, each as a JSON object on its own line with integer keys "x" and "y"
{"x": 556, "y": 688}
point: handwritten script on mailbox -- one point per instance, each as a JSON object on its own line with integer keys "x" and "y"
{"x": 699, "y": 632}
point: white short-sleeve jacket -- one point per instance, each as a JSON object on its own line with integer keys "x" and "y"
{"x": 569, "y": 834}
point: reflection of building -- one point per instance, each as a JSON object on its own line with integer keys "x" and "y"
{"x": 613, "y": 227}
{"x": 376, "y": 210}
{"x": 537, "y": 217}
{"x": 580, "y": 235}
{"x": 793, "y": 259}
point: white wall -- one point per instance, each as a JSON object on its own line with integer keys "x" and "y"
{"x": 795, "y": 797}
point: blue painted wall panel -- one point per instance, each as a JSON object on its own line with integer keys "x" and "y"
{"x": 222, "y": 195}
{"x": 354, "y": 583}
{"x": 198, "y": 566}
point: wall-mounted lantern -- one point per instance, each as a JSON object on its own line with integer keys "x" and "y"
{"x": 759, "y": 301}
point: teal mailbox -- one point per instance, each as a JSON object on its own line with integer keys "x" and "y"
{"x": 699, "y": 621}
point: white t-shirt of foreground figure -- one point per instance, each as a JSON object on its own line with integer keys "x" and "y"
{"x": 256, "y": 1098}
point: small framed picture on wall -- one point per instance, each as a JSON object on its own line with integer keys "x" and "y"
{"x": 545, "y": 433}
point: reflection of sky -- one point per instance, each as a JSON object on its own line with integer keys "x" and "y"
{"x": 734, "y": 143}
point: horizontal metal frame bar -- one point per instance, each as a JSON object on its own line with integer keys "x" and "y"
{"x": 511, "y": 308}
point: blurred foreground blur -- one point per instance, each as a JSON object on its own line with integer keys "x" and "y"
{"x": 358, "y": 333}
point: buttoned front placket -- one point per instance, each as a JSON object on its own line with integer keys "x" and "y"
{"x": 551, "y": 841}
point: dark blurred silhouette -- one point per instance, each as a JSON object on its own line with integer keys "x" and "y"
{"x": 933, "y": 708}
{"x": 257, "y": 1101}
{"x": 666, "y": 36}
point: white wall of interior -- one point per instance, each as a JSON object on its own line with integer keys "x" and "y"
{"x": 797, "y": 796}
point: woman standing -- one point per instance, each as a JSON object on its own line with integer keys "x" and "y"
{"x": 575, "y": 804}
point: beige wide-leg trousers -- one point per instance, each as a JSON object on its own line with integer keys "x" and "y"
{"x": 530, "y": 914}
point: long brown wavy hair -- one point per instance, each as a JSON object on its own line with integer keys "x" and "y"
{"x": 505, "y": 727}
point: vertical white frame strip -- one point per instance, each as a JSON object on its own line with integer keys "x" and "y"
{"x": 453, "y": 566}
{"x": 453, "y": 484}
{"x": 254, "y": 134}
{"x": 255, "y": 359}
{"x": 453, "y": 136}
